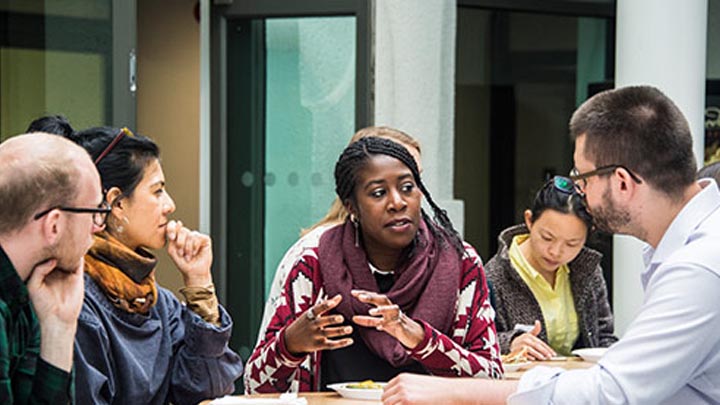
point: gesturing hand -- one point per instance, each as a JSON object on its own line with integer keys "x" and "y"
{"x": 314, "y": 331}
{"x": 388, "y": 317}
{"x": 192, "y": 253}
{"x": 57, "y": 297}
{"x": 536, "y": 348}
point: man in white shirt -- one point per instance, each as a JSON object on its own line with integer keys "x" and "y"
{"x": 633, "y": 160}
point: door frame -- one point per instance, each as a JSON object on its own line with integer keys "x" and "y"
{"x": 221, "y": 12}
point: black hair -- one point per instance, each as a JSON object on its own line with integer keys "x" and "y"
{"x": 355, "y": 157}
{"x": 711, "y": 170}
{"x": 123, "y": 167}
{"x": 51, "y": 124}
{"x": 550, "y": 197}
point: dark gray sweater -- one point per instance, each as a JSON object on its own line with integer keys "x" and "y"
{"x": 169, "y": 355}
{"x": 516, "y": 304}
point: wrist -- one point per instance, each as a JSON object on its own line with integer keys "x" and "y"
{"x": 415, "y": 333}
{"x": 56, "y": 343}
{"x": 198, "y": 280}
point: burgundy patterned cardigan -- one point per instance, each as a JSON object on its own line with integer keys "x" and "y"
{"x": 471, "y": 351}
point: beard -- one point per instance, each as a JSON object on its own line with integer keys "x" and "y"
{"x": 609, "y": 218}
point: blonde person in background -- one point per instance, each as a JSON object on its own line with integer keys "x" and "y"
{"x": 337, "y": 214}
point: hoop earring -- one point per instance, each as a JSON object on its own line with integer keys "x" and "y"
{"x": 356, "y": 224}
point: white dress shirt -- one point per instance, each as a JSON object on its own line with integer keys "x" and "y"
{"x": 671, "y": 351}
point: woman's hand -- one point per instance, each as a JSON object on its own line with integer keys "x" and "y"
{"x": 536, "y": 348}
{"x": 314, "y": 331}
{"x": 388, "y": 317}
{"x": 192, "y": 253}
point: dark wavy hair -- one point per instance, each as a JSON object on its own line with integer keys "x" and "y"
{"x": 123, "y": 167}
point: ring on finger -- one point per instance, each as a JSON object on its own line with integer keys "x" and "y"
{"x": 310, "y": 315}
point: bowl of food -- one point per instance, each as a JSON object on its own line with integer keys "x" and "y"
{"x": 515, "y": 360}
{"x": 367, "y": 389}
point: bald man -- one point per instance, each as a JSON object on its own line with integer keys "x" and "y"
{"x": 50, "y": 206}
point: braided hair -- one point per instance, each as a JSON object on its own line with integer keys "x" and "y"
{"x": 356, "y": 156}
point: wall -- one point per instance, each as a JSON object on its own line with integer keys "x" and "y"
{"x": 168, "y": 98}
{"x": 713, "y": 40}
{"x": 415, "y": 82}
{"x": 58, "y": 71}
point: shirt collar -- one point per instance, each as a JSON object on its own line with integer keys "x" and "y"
{"x": 12, "y": 288}
{"x": 690, "y": 217}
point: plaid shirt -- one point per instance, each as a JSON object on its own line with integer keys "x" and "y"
{"x": 25, "y": 378}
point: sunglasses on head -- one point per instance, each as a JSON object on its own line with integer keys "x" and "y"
{"x": 123, "y": 132}
{"x": 566, "y": 185}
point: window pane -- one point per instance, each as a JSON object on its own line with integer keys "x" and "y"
{"x": 310, "y": 116}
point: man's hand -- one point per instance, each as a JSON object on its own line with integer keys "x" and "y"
{"x": 192, "y": 253}
{"x": 57, "y": 297}
{"x": 414, "y": 389}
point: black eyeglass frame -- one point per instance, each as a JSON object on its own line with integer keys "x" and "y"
{"x": 100, "y": 214}
{"x": 600, "y": 171}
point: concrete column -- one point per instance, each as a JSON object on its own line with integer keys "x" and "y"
{"x": 660, "y": 43}
{"x": 415, "y": 85}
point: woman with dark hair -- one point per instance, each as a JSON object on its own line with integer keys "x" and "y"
{"x": 136, "y": 343}
{"x": 549, "y": 288}
{"x": 337, "y": 214}
{"x": 414, "y": 291}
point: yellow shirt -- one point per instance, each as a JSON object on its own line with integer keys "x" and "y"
{"x": 557, "y": 305}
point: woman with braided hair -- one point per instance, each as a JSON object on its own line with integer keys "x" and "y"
{"x": 337, "y": 214}
{"x": 390, "y": 290}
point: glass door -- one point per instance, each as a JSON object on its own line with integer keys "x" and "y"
{"x": 292, "y": 89}
{"x": 71, "y": 57}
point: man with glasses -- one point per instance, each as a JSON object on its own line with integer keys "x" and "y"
{"x": 634, "y": 162}
{"x": 50, "y": 207}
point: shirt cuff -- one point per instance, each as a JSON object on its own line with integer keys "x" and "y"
{"x": 55, "y": 384}
{"x": 536, "y": 386}
{"x": 425, "y": 347}
{"x": 203, "y": 301}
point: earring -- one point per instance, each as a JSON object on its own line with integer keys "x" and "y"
{"x": 356, "y": 224}
{"x": 120, "y": 228}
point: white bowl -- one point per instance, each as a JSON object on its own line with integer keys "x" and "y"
{"x": 357, "y": 393}
{"x": 592, "y": 354}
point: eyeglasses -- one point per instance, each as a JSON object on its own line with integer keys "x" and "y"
{"x": 602, "y": 170}
{"x": 123, "y": 132}
{"x": 99, "y": 214}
